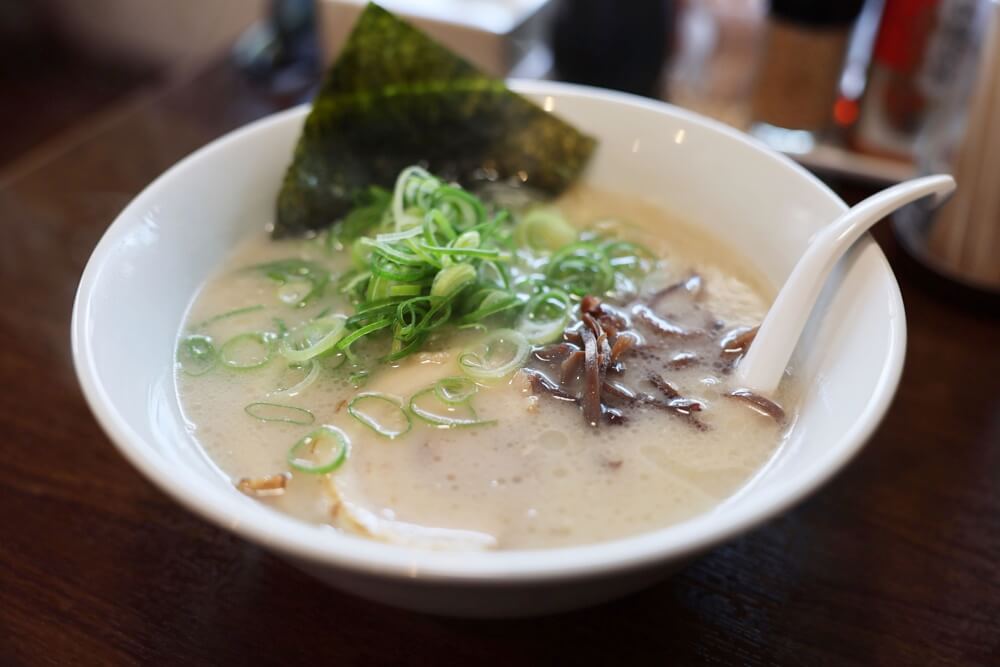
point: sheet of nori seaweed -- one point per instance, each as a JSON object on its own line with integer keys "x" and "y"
{"x": 394, "y": 97}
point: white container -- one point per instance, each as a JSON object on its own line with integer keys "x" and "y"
{"x": 144, "y": 272}
{"x": 498, "y": 36}
{"x": 961, "y": 240}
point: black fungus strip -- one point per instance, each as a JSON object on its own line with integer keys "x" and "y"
{"x": 608, "y": 327}
{"x": 681, "y": 411}
{"x": 660, "y": 325}
{"x": 590, "y": 305}
{"x": 764, "y": 406}
{"x": 556, "y": 351}
{"x": 625, "y": 341}
{"x": 614, "y": 316}
{"x": 612, "y": 416}
{"x": 667, "y": 389}
{"x": 542, "y": 385}
{"x": 572, "y": 334}
{"x": 591, "y": 323}
{"x": 603, "y": 354}
{"x": 734, "y": 345}
{"x": 571, "y": 367}
{"x": 591, "y": 378}
{"x": 738, "y": 340}
{"x": 618, "y": 390}
{"x": 690, "y": 286}
{"x": 608, "y": 316}
{"x": 682, "y": 360}
{"x": 686, "y": 404}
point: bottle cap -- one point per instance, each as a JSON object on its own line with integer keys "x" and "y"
{"x": 817, "y": 13}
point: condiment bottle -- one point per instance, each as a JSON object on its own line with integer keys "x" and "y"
{"x": 620, "y": 45}
{"x": 915, "y": 58}
{"x": 803, "y": 55}
{"x": 961, "y": 134}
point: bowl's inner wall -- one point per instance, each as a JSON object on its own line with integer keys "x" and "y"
{"x": 175, "y": 234}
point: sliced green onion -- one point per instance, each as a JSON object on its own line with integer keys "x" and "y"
{"x": 410, "y": 191}
{"x": 501, "y": 353}
{"x": 455, "y": 390}
{"x": 358, "y": 378}
{"x": 310, "y": 373}
{"x": 450, "y": 280}
{"x": 460, "y": 206}
{"x": 494, "y": 274}
{"x": 353, "y": 282}
{"x": 286, "y": 271}
{"x": 437, "y": 256}
{"x": 411, "y": 289}
{"x": 493, "y": 227}
{"x": 399, "y": 236}
{"x": 420, "y": 315}
{"x": 345, "y": 343}
{"x": 492, "y": 253}
{"x": 366, "y": 407}
{"x": 370, "y": 207}
{"x": 401, "y": 349}
{"x": 320, "y": 452}
{"x": 544, "y": 229}
{"x": 275, "y": 412}
{"x": 281, "y": 327}
{"x": 247, "y": 351}
{"x": 196, "y": 354}
{"x": 436, "y": 223}
{"x": 229, "y": 313}
{"x": 582, "y": 269}
{"x": 493, "y": 302}
{"x": 377, "y": 288}
{"x": 442, "y": 414}
{"x": 373, "y": 310}
{"x": 392, "y": 253}
{"x": 626, "y": 256}
{"x": 313, "y": 338}
{"x": 545, "y": 316}
{"x": 468, "y": 240}
{"x": 360, "y": 255}
{"x": 333, "y": 361}
{"x": 430, "y": 260}
{"x": 294, "y": 291}
{"x": 392, "y": 270}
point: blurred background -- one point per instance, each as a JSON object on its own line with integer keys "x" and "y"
{"x": 873, "y": 91}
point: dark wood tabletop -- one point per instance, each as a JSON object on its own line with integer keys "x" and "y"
{"x": 894, "y": 562}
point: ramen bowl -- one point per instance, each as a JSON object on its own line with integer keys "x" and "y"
{"x": 144, "y": 272}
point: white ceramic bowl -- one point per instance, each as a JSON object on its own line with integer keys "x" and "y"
{"x": 145, "y": 270}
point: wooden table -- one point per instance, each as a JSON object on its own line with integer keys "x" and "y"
{"x": 894, "y": 562}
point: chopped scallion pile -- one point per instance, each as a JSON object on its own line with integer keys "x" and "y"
{"x": 427, "y": 257}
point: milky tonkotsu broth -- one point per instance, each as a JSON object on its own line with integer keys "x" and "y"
{"x": 538, "y": 478}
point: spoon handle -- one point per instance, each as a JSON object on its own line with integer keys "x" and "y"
{"x": 763, "y": 366}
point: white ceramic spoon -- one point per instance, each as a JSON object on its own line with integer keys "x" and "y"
{"x": 761, "y": 369}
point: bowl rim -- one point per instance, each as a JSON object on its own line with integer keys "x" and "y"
{"x": 292, "y": 537}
